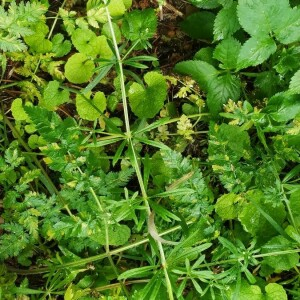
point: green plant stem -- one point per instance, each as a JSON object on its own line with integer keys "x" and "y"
{"x": 55, "y": 21}
{"x": 130, "y": 144}
{"x": 95, "y": 258}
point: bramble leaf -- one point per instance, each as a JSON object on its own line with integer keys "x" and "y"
{"x": 89, "y": 109}
{"x": 146, "y": 102}
{"x": 255, "y": 51}
{"x": 226, "y": 23}
{"x": 220, "y": 90}
{"x": 79, "y": 68}
{"x": 260, "y": 18}
{"x": 53, "y": 97}
{"x": 227, "y": 53}
{"x": 294, "y": 87}
{"x": 201, "y": 71}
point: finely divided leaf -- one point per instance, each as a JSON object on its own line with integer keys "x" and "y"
{"x": 220, "y": 90}
{"x": 227, "y": 53}
{"x": 201, "y": 71}
{"x": 255, "y": 51}
{"x": 146, "y": 102}
{"x": 226, "y": 23}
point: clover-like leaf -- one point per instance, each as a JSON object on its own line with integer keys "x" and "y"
{"x": 90, "y": 109}
{"x": 146, "y": 102}
{"x": 79, "y": 68}
{"x": 53, "y": 97}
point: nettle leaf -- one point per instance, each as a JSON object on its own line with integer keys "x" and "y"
{"x": 139, "y": 25}
{"x": 86, "y": 42}
{"x": 79, "y": 68}
{"x": 59, "y": 46}
{"x": 199, "y": 25}
{"x": 90, "y": 109}
{"x": 53, "y": 97}
{"x": 255, "y": 51}
{"x": 280, "y": 262}
{"x": 227, "y": 53}
{"x": 283, "y": 107}
{"x": 259, "y": 17}
{"x": 201, "y": 71}
{"x": 146, "y": 102}
{"x": 226, "y": 23}
{"x": 220, "y": 90}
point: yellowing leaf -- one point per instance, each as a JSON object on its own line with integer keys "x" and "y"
{"x": 79, "y": 68}
{"x": 90, "y": 109}
{"x": 147, "y": 102}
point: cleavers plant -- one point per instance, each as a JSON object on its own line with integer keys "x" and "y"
{"x": 113, "y": 187}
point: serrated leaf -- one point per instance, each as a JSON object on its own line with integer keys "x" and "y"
{"x": 280, "y": 262}
{"x": 227, "y": 53}
{"x": 255, "y": 51}
{"x": 260, "y": 18}
{"x": 283, "y": 107}
{"x": 147, "y": 102}
{"x": 90, "y": 109}
{"x": 289, "y": 31}
{"x": 220, "y": 90}
{"x": 199, "y": 25}
{"x": 79, "y": 68}
{"x": 53, "y": 97}
{"x": 294, "y": 86}
{"x": 139, "y": 25}
{"x": 200, "y": 71}
{"x": 226, "y": 23}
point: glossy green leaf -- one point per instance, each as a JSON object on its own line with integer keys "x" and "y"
{"x": 147, "y": 102}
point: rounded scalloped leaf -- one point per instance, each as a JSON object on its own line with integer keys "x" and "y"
{"x": 116, "y": 8}
{"x": 79, "y": 68}
{"x": 147, "y": 102}
{"x": 86, "y": 42}
{"x": 90, "y": 109}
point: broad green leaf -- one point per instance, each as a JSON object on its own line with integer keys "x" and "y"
{"x": 206, "y": 4}
{"x": 90, "y": 109}
{"x": 147, "y": 102}
{"x": 220, "y": 90}
{"x": 116, "y": 8}
{"x": 227, "y": 53}
{"x": 280, "y": 262}
{"x": 200, "y": 71}
{"x": 104, "y": 49}
{"x": 252, "y": 219}
{"x": 139, "y": 25}
{"x": 226, "y": 23}
{"x": 275, "y": 291}
{"x": 79, "y": 68}
{"x": 18, "y": 111}
{"x": 261, "y": 17}
{"x": 117, "y": 234}
{"x": 255, "y": 51}
{"x": 289, "y": 27}
{"x": 206, "y": 54}
{"x": 283, "y": 107}
{"x": 59, "y": 46}
{"x": 53, "y": 97}
{"x": 106, "y": 31}
{"x": 295, "y": 206}
{"x": 294, "y": 87}
{"x": 38, "y": 43}
{"x": 267, "y": 84}
{"x": 199, "y": 25}
{"x": 228, "y": 206}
